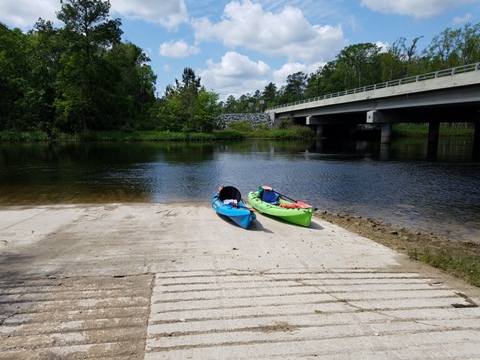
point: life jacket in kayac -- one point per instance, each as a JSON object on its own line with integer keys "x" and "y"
{"x": 289, "y": 206}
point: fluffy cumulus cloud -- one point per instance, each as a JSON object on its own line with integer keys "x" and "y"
{"x": 25, "y": 13}
{"x": 286, "y": 33}
{"x": 168, "y": 13}
{"x": 233, "y": 70}
{"x": 415, "y": 8}
{"x": 178, "y": 49}
{"x": 280, "y": 75}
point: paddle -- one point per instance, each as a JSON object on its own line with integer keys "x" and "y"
{"x": 299, "y": 203}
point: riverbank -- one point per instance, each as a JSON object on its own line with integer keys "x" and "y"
{"x": 457, "y": 258}
{"x": 239, "y": 132}
{"x": 293, "y": 133}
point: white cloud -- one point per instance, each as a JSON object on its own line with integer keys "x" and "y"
{"x": 179, "y": 49}
{"x": 461, "y": 20}
{"x": 25, "y": 13}
{"x": 280, "y": 76}
{"x": 383, "y": 46}
{"x": 168, "y": 13}
{"x": 235, "y": 75}
{"x": 415, "y": 8}
{"x": 286, "y": 33}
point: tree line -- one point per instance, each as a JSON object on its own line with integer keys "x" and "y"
{"x": 82, "y": 77}
{"x": 75, "y": 78}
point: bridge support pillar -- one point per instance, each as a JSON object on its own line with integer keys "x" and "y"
{"x": 476, "y": 141}
{"x": 386, "y": 135}
{"x": 273, "y": 117}
{"x": 433, "y": 131}
{"x": 353, "y": 130}
{"x": 319, "y": 130}
{"x": 433, "y": 134}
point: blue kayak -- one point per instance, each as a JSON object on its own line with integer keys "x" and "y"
{"x": 228, "y": 202}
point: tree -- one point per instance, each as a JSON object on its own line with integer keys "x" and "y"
{"x": 14, "y": 70}
{"x": 230, "y": 105}
{"x": 45, "y": 67}
{"x": 187, "y": 106}
{"x": 269, "y": 94}
{"x": 442, "y": 51}
{"x": 391, "y": 61}
{"x": 206, "y": 111}
{"x": 129, "y": 84}
{"x": 469, "y": 44}
{"x": 89, "y": 33}
{"x": 359, "y": 64}
{"x": 314, "y": 84}
{"x": 411, "y": 56}
{"x": 296, "y": 85}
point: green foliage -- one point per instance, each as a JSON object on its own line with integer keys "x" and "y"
{"x": 358, "y": 64}
{"x": 295, "y": 88}
{"x": 206, "y": 110}
{"x": 303, "y": 132}
{"x": 285, "y": 123}
{"x": 82, "y": 81}
{"x": 458, "y": 263}
{"x": 278, "y": 134}
{"x": 243, "y": 126}
{"x": 23, "y": 136}
{"x": 421, "y": 130}
{"x": 187, "y": 106}
{"x": 74, "y": 78}
{"x": 81, "y": 77}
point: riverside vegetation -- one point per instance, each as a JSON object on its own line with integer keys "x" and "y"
{"x": 458, "y": 258}
{"x": 81, "y": 77}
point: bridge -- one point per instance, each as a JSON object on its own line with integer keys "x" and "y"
{"x": 446, "y": 96}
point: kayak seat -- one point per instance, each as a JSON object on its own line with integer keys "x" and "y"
{"x": 270, "y": 197}
{"x": 230, "y": 192}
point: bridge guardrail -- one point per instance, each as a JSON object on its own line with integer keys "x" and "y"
{"x": 403, "y": 81}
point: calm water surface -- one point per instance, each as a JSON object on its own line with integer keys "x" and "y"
{"x": 402, "y": 184}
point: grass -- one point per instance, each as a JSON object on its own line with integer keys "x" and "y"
{"x": 294, "y": 133}
{"x": 31, "y": 136}
{"x": 458, "y": 263}
{"x": 23, "y": 136}
{"x": 421, "y": 130}
{"x": 455, "y": 257}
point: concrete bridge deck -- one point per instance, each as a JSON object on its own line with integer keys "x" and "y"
{"x": 173, "y": 281}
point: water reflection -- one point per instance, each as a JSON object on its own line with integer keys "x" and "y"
{"x": 399, "y": 184}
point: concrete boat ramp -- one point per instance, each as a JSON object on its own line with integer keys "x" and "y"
{"x": 173, "y": 281}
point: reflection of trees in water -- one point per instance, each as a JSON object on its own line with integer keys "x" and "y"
{"x": 263, "y": 146}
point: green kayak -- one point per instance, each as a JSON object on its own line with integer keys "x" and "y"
{"x": 269, "y": 202}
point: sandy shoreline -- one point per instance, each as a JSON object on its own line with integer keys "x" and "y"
{"x": 399, "y": 239}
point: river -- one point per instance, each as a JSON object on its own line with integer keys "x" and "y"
{"x": 403, "y": 184}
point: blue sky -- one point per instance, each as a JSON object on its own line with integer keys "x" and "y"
{"x": 237, "y": 47}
